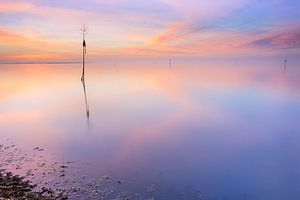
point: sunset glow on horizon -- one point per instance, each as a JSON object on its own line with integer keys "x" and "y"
{"x": 36, "y": 30}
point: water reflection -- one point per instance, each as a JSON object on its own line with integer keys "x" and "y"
{"x": 285, "y": 63}
{"x": 87, "y": 110}
{"x": 229, "y": 130}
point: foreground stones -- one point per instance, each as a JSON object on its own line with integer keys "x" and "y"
{"x": 15, "y": 187}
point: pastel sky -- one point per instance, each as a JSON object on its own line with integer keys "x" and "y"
{"x": 50, "y": 29}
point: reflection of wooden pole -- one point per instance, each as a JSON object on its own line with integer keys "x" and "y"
{"x": 87, "y": 110}
{"x": 285, "y": 61}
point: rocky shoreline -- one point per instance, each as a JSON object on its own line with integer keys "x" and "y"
{"x": 16, "y": 187}
{"x": 31, "y": 175}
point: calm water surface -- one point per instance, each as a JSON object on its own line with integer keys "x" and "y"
{"x": 228, "y": 129}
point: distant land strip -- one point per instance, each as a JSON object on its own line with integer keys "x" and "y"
{"x": 50, "y": 63}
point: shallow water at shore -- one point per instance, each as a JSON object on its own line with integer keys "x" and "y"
{"x": 206, "y": 130}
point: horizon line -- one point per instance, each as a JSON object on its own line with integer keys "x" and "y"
{"x": 40, "y": 62}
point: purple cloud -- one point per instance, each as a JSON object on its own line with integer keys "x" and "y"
{"x": 289, "y": 40}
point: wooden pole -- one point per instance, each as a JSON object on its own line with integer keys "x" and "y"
{"x": 83, "y": 62}
{"x": 84, "y": 30}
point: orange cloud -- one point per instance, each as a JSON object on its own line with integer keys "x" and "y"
{"x": 14, "y": 7}
{"x": 8, "y": 37}
{"x": 24, "y": 47}
{"x": 168, "y": 35}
